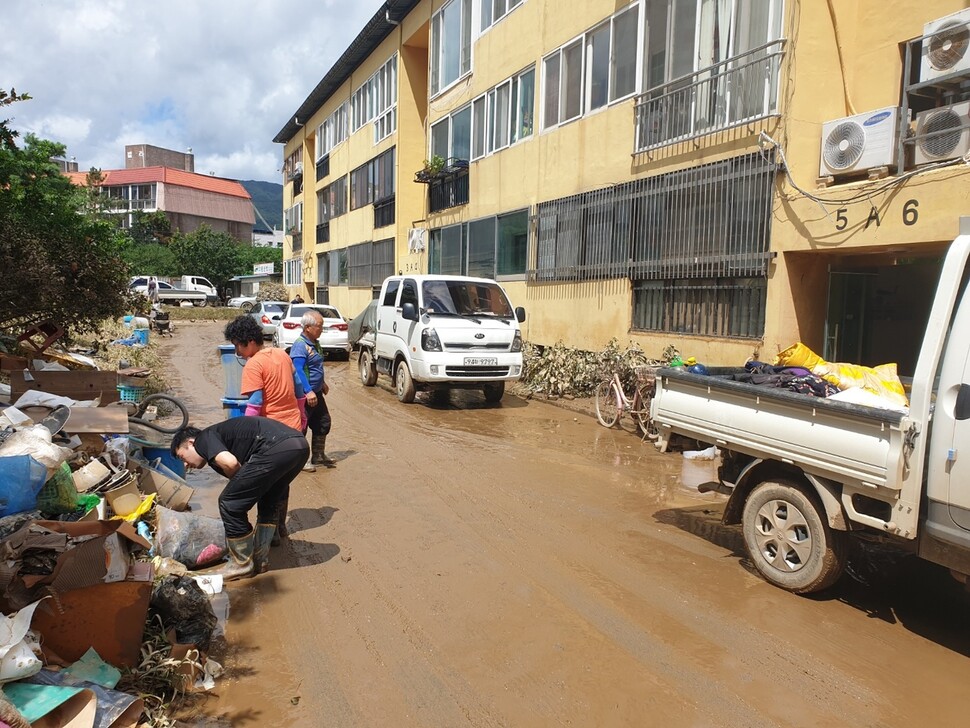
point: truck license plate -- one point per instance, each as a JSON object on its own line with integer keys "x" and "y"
{"x": 477, "y": 361}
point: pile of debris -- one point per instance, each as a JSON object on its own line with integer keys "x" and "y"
{"x": 96, "y": 543}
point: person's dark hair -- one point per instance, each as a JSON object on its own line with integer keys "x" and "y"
{"x": 180, "y": 437}
{"x": 244, "y": 329}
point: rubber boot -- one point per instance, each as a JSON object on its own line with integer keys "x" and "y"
{"x": 240, "y": 564}
{"x": 319, "y": 456}
{"x": 264, "y": 537}
{"x": 281, "y": 509}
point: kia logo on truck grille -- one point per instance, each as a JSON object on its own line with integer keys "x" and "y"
{"x": 479, "y": 336}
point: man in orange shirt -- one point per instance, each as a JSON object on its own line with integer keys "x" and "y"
{"x": 272, "y": 385}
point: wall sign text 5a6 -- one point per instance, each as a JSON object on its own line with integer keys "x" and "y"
{"x": 909, "y": 213}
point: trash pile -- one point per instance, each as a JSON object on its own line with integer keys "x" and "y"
{"x": 799, "y": 369}
{"x": 96, "y": 547}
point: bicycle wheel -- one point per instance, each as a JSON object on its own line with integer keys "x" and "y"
{"x": 607, "y": 403}
{"x": 641, "y": 411}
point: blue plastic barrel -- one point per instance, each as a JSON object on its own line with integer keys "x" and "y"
{"x": 232, "y": 367}
{"x": 233, "y": 407}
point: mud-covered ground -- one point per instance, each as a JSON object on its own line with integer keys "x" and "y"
{"x": 520, "y": 565}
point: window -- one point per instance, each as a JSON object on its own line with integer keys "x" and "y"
{"x": 376, "y": 100}
{"x": 481, "y": 248}
{"x": 478, "y": 126}
{"x": 445, "y": 247}
{"x": 390, "y": 295}
{"x": 498, "y": 116}
{"x": 726, "y": 307}
{"x": 373, "y": 181}
{"x": 409, "y": 292}
{"x": 293, "y": 219}
{"x": 293, "y": 272}
{"x": 495, "y": 10}
{"x": 451, "y": 34}
{"x": 594, "y": 70}
{"x": 332, "y": 200}
{"x": 489, "y": 247}
{"x": 524, "y": 99}
{"x": 339, "y": 271}
{"x": 332, "y": 131}
{"x": 513, "y": 243}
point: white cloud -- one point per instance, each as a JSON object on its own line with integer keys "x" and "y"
{"x": 221, "y": 77}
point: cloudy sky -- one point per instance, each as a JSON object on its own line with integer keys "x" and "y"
{"x": 220, "y": 76}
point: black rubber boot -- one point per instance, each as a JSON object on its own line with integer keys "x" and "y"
{"x": 281, "y": 532}
{"x": 264, "y": 537}
{"x": 319, "y": 457}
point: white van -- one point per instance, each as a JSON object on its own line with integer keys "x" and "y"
{"x": 438, "y": 332}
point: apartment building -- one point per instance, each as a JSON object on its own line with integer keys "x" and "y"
{"x": 189, "y": 200}
{"x": 728, "y": 176}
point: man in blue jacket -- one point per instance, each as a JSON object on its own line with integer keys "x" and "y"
{"x": 308, "y": 361}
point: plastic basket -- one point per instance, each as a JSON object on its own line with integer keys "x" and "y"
{"x": 128, "y": 393}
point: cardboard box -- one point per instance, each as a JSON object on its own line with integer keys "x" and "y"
{"x": 108, "y": 617}
{"x": 90, "y": 562}
{"x": 170, "y": 493}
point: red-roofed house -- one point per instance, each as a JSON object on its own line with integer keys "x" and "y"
{"x": 187, "y": 199}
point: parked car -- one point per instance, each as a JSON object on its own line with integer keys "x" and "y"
{"x": 246, "y": 303}
{"x": 333, "y": 339}
{"x": 268, "y": 315}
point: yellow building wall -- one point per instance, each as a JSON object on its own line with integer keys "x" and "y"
{"x": 841, "y": 58}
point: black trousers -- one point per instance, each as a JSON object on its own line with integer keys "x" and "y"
{"x": 262, "y": 481}
{"x": 318, "y": 418}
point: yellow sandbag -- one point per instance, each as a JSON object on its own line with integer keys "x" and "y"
{"x": 881, "y": 380}
{"x": 798, "y": 355}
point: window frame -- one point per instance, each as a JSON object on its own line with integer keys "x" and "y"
{"x": 437, "y": 49}
{"x": 375, "y": 100}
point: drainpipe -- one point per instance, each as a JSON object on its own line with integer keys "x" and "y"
{"x": 387, "y": 17}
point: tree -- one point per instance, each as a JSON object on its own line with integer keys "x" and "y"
{"x": 203, "y": 252}
{"x": 59, "y": 262}
{"x": 251, "y": 254}
{"x": 150, "y": 228}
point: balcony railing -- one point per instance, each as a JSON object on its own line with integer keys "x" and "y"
{"x": 448, "y": 190}
{"x": 119, "y": 205}
{"x": 323, "y": 233}
{"x": 384, "y": 212}
{"x": 323, "y": 167}
{"x": 735, "y": 91}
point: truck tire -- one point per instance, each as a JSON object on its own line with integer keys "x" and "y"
{"x": 247, "y": 307}
{"x": 403, "y": 383}
{"x": 203, "y": 303}
{"x": 368, "y": 372}
{"x": 789, "y": 540}
{"x": 493, "y": 392}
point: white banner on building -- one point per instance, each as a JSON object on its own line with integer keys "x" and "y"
{"x": 262, "y": 268}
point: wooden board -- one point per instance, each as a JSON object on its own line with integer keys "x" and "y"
{"x": 102, "y": 420}
{"x": 79, "y": 385}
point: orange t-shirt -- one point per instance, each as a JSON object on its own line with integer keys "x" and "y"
{"x": 271, "y": 370}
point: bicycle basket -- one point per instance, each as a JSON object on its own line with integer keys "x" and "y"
{"x": 646, "y": 374}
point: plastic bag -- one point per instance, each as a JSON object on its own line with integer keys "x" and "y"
{"x": 189, "y": 538}
{"x": 58, "y": 495}
{"x": 36, "y": 442}
{"x": 184, "y": 607}
{"x": 798, "y": 355}
{"x": 21, "y": 478}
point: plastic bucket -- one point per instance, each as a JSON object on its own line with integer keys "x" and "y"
{"x": 141, "y": 336}
{"x": 232, "y": 367}
{"x": 164, "y": 455}
{"x": 234, "y": 408}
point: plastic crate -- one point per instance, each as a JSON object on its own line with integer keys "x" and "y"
{"x": 128, "y": 393}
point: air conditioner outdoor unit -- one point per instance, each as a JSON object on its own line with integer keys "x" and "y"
{"x": 949, "y": 128}
{"x": 946, "y": 46}
{"x": 416, "y": 239}
{"x": 860, "y": 142}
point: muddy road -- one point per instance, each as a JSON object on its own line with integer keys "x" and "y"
{"x": 468, "y": 565}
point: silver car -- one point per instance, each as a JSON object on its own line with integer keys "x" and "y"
{"x": 268, "y": 315}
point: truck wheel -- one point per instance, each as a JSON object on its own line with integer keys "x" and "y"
{"x": 368, "y": 372}
{"x": 403, "y": 383}
{"x": 247, "y": 307}
{"x": 789, "y": 539}
{"x": 203, "y": 303}
{"x": 493, "y": 392}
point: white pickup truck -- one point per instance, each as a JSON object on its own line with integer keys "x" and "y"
{"x": 804, "y": 472}
{"x": 437, "y": 332}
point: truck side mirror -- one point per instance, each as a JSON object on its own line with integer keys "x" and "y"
{"x": 520, "y": 314}
{"x": 409, "y": 312}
